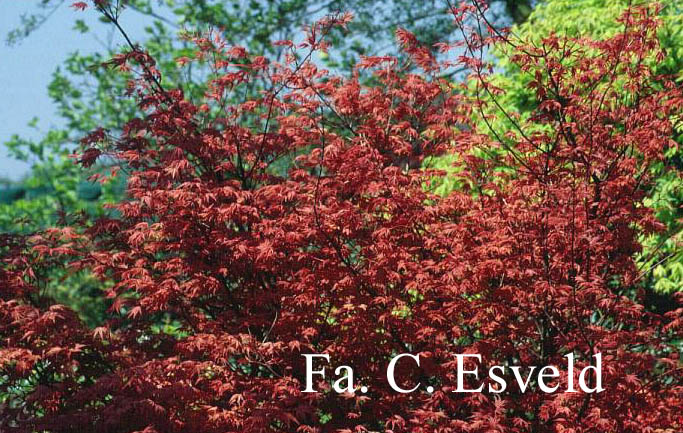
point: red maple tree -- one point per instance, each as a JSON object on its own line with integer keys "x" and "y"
{"x": 349, "y": 252}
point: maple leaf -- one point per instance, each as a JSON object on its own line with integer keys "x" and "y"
{"x": 135, "y": 312}
{"x": 101, "y": 332}
{"x": 80, "y": 6}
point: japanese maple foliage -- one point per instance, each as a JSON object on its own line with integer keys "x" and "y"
{"x": 348, "y": 252}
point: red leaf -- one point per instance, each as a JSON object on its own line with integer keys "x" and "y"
{"x": 80, "y": 6}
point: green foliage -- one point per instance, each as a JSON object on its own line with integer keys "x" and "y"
{"x": 54, "y": 193}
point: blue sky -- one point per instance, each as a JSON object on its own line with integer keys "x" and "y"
{"x": 26, "y": 68}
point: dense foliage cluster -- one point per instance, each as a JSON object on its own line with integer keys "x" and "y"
{"x": 223, "y": 267}
{"x": 87, "y": 97}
